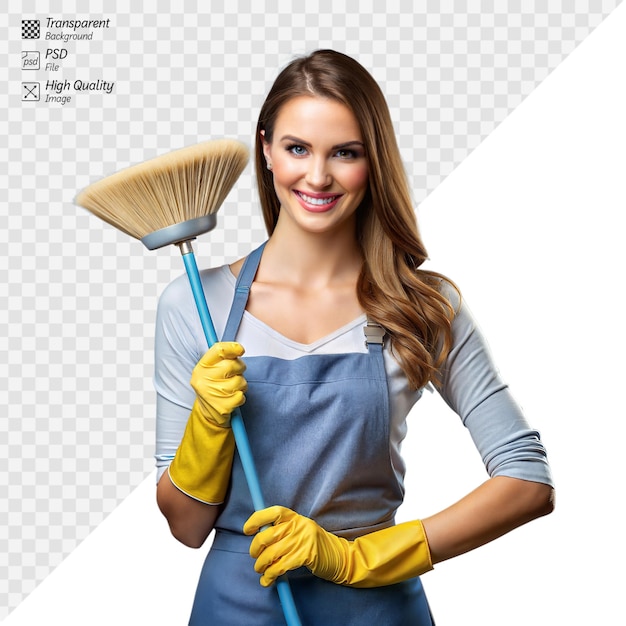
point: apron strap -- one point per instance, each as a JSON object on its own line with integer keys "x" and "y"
{"x": 242, "y": 290}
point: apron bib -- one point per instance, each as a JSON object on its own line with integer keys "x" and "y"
{"x": 318, "y": 428}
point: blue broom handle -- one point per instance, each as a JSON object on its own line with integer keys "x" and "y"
{"x": 236, "y": 421}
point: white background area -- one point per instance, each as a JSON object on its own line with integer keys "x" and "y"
{"x": 530, "y": 226}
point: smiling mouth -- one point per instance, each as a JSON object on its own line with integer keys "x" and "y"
{"x": 317, "y": 201}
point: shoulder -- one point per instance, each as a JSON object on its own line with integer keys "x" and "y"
{"x": 177, "y": 314}
{"x": 177, "y": 307}
{"x": 174, "y": 292}
{"x": 178, "y": 292}
{"x": 451, "y": 292}
{"x": 463, "y": 324}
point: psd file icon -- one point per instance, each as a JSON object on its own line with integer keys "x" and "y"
{"x": 30, "y": 29}
{"x": 30, "y": 92}
{"x": 31, "y": 60}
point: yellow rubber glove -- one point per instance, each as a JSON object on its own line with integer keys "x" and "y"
{"x": 203, "y": 461}
{"x": 383, "y": 557}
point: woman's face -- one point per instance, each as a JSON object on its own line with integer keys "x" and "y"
{"x": 318, "y": 162}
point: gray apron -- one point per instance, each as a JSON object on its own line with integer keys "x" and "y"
{"x": 319, "y": 432}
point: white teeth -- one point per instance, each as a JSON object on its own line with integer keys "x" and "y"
{"x": 317, "y": 201}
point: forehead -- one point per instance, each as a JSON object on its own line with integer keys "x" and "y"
{"x": 314, "y": 117}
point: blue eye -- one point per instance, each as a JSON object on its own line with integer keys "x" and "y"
{"x": 296, "y": 149}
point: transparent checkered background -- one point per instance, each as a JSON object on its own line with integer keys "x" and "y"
{"x": 78, "y": 299}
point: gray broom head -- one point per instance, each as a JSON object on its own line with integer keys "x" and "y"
{"x": 171, "y": 198}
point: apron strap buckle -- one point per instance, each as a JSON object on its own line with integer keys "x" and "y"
{"x": 374, "y": 333}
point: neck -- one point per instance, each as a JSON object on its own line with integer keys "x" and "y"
{"x": 317, "y": 260}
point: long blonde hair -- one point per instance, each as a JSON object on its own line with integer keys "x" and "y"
{"x": 407, "y": 301}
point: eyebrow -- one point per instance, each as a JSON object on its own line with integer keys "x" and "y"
{"x": 339, "y": 146}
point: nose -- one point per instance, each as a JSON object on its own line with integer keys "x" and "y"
{"x": 318, "y": 174}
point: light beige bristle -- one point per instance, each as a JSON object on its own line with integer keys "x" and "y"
{"x": 169, "y": 189}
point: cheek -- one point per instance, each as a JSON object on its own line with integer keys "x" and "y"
{"x": 286, "y": 171}
{"x": 357, "y": 179}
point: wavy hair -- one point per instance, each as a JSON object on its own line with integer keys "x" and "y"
{"x": 392, "y": 289}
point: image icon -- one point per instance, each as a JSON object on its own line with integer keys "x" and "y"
{"x": 30, "y": 92}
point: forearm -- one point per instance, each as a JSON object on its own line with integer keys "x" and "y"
{"x": 496, "y": 507}
{"x": 190, "y": 521}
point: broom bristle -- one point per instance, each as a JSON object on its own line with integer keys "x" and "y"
{"x": 169, "y": 189}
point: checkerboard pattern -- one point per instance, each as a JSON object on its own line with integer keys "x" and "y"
{"x": 78, "y": 298}
{"x": 31, "y": 29}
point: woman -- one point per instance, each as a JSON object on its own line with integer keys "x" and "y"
{"x": 342, "y": 331}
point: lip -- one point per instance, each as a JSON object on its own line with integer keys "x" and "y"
{"x": 317, "y": 208}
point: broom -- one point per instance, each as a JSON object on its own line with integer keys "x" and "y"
{"x": 172, "y": 199}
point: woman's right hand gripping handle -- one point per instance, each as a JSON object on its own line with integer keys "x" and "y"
{"x": 202, "y": 465}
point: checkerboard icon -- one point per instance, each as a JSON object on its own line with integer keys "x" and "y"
{"x": 30, "y": 29}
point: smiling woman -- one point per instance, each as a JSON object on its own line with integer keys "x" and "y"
{"x": 342, "y": 331}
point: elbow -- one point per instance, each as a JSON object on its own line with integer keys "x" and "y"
{"x": 548, "y": 501}
{"x": 189, "y": 521}
{"x": 185, "y": 528}
{"x": 189, "y": 537}
{"x": 541, "y": 500}
{"x": 527, "y": 500}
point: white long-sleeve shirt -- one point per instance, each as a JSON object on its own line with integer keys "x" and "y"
{"x": 471, "y": 386}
